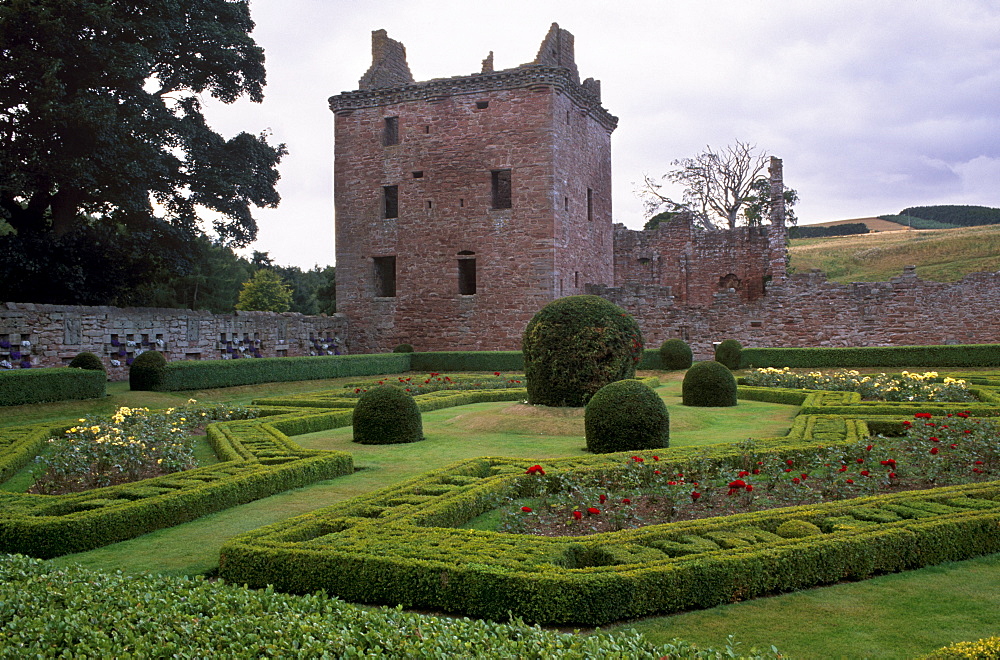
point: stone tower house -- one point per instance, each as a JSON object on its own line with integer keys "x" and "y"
{"x": 465, "y": 204}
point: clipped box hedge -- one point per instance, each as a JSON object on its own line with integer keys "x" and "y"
{"x": 400, "y": 546}
{"x": 445, "y": 361}
{"x": 21, "y": 386}
{"x": 968, "y": 355}
{"x": 206, "y": 374}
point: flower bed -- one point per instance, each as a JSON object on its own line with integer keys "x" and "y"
{"x": 906, "y": 386}
{"x": 950, "y": 450}
{"x": 130, "y": 445}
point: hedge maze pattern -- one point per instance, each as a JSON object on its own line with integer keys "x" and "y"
{"x": 402, "y": 544}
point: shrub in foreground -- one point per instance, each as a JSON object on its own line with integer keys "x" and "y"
{"x": 676, "y": 354}
{"x": 626, "y": 415}
{"x": 708, "y": 384}
{"x": 387, "y": 415}
{"x": 576, "y": 345}
{"x": 79, "y": 612}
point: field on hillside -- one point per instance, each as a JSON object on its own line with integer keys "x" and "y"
{"x": 941, "y": 255}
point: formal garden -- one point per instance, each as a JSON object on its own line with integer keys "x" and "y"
{"x": 422, "y": 504}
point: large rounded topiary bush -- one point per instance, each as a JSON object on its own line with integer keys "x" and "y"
{"x": 708, "y": 384}
{"x": 87, "y": 360}
{"x": 626, "y": 415}
{"x": 387, "y": 415}
{"x": 576, "y": 345}
{"x": 676, "y": 354}
{"x": 147, "y": 372}
{"x": 728, "y": 353}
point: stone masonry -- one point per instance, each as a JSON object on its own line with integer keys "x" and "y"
{"x": 465, "y": 204}
{"x": 51, "y": 335}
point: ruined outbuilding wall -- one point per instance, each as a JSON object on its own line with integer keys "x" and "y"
{"x": 807, "y": 310}
{"x": 56, "y": 333}
{"x": 695, "y": 264}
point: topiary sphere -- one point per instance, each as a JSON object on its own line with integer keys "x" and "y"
{"x": 708, "y": 384}
{"x": 403, "y": 348}
{"x": 797, "y": 529}
{"x": 728, "y": 353}
{"x": 87, "y": 360}
{"x": 676, "y": 354}
{"x": 576, "y": 345}
{"x": 387, "y": 415}
{"x": 626, "y": 415}
{"x": 147, "y": 372}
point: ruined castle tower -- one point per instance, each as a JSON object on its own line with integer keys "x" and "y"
{"x": 465, "y": 204}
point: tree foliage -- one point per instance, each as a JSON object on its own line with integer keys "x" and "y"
{"x": 104, "y": 145}
{"x": 265, "y": 292}
{"x": 723, "y": 188}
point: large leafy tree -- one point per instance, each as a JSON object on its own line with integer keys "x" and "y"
{"x": 722, "y": 188}
{"x": 101, "y": 125}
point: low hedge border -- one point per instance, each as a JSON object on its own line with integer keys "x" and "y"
{"x": 399, "y": 546}
{"x": 968, "y": 355}
{"x": 23, "y": 386}
{"x": 259, "y": 461}
{"x": 444, "y": 361}
{"x": 207, "y": 374}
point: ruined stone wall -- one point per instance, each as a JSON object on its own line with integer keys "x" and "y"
{"x": 56, "y": 333}
{"x": 695, "y": 264}
{"x": 807, "y": 310}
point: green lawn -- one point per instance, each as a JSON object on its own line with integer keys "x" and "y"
{"x": 898, "y": 615}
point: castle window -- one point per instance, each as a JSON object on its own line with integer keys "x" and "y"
{"x": 590, "y": 204}
{"x": 390, "y": 134}
{"x": 466, "y": 273}
{"x": 418, "y": 174}
{"x": 501, "y": 189}
{"x": 482, "y": 105}
{"x": 390, "y": 202}
{"x": 576, "y": 280}
{"x": 385, "y": 276}
{"x": 430, "y": 204}
{"x": 565, "y": 203}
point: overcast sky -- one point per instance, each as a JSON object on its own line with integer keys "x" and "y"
{"x": 874, "y": 105}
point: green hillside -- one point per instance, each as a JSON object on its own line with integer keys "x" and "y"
{"x": 942, "y": 255}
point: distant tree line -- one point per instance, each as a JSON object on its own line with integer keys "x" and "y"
{"x": 956, "y": 215}
{"x": 835, "y": 230}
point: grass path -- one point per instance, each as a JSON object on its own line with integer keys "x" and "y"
{"x": 902, "y": 615}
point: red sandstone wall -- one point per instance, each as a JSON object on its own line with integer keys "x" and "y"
{"x": 694, "y": 264}
{"x": 523, "y": 254}
{"x": 56, "y": 333}
{"x": 807, "y": 310}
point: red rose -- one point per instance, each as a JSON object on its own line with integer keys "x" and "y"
{"x": 749, "y": 488}
{"x": 526, "y": 509}
{"x": 626, "y": 501}
{"x": 804, "y": 475}
{"x": 923, "y": 415}
{"x": 743, "y": 473}
{"x": 695, "y": 495}
{"x": 953, "y": 446}
{"x": 496, "y": 373}
{"x": 864, "y": 473}
{"x": 656, "y": 458}
{"x": 861, "y": 460}
{"x": 789, "y": 462}
{"x": 756, "y": 471}
{"x": 869, "y": 447}
{"x": 934, "y": 450}
{"x": 934, "y": 439}
{"x": 603, "y": 498}
{"x": 892, "y": 475}
{"x": 850, "y": 481}
{"x": 577, "y": 515}
{"x": 593, "y": 511}
{"x": 795, "y": 480}
{"x": 843, "y": 468}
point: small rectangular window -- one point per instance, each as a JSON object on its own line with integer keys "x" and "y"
{"x": 590, "y": 204}
{"x": 501, "y": 189}
{"x": 482, "y": 105}
{"x": 430, "y": 204}
{"x": 565, "y": 203}
{"x": 390, "y": 201}
{"x": 390, "y": 134}
{"x": 418, "y": 174}
{"x": 385, "y": 277}
{"x": 467, "y": 276}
